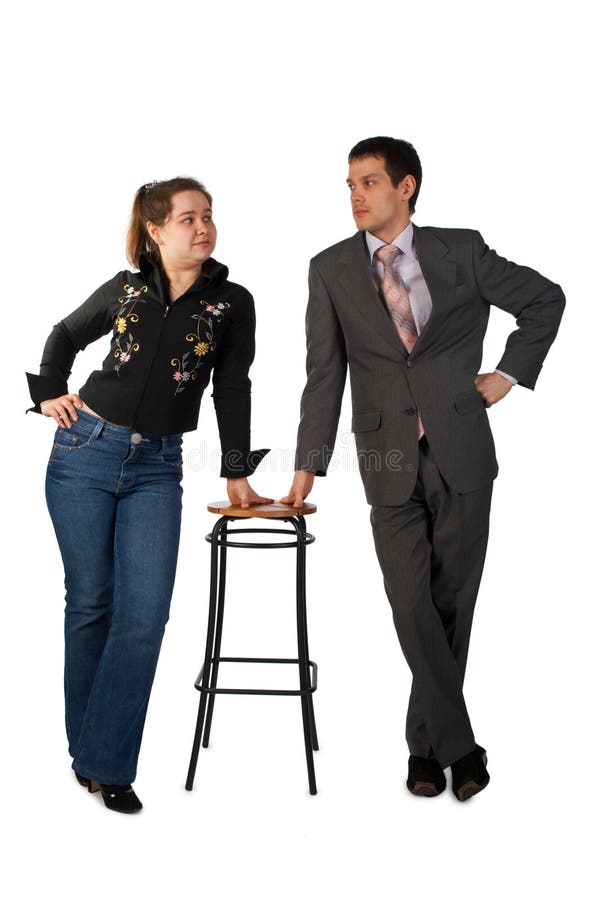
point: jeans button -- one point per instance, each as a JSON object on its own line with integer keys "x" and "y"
{"x": 136, "y": 438}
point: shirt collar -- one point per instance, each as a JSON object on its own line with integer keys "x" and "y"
{"x": 404, "y": 242}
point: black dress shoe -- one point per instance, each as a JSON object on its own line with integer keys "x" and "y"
{"x": 118, "y": 797}
{"x": 469, "y": 774}
{"x": 425, "y": 776}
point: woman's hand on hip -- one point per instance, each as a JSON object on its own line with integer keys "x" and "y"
{"x": 242, "y": 494}
{"x": 62, "y": 409}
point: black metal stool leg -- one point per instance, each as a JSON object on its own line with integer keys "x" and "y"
{"x": 302, "y": 523}
{"x": 219, "y": 632}
{"x": 208, "y": 653}
{"x": 304, "y": 669}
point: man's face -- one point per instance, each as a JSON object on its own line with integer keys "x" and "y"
{"x": 376, "y": 205}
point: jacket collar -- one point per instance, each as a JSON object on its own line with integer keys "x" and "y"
{"x": 212, "y": 270}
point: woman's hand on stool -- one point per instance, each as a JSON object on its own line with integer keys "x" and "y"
{"x": 242, "y": 494}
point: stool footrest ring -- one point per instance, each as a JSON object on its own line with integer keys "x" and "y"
{"x": 225, "y": 540}
{"x": 264, "y": 691}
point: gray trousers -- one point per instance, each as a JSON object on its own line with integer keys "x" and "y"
{"x": 431, "y": 550}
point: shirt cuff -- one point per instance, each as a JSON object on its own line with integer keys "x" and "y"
{"x": 44, "y": 387}
{"x": 241, "y": 464}
{"x": 509, "y": 377}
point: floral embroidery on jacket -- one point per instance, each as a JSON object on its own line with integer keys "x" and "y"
{"x": 186, "y": 366}
{"x": 125, "y": 343}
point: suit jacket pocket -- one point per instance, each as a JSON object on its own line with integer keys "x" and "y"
{"x": 469, "y": 403}
{"x": 366, "y": 420}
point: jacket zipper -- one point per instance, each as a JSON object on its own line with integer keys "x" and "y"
{"x": 158, "y": 343}
{"x": 156, "y": 351}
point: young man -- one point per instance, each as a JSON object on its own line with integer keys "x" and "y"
{"x": 407, "y": 308}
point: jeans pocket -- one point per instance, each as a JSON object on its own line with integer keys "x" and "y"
{"x": 66, "y": 442}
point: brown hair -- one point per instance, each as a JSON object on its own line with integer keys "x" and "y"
{"x": 152, "y": 203}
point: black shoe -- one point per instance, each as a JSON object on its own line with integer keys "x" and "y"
{"x": 469, "y": 774}
{"x": 425, "y": 776}
{"x": 118, "y": 797}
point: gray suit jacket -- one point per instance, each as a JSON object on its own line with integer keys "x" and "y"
{"x": 347, "y": 323}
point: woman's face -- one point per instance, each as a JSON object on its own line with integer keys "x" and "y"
{"x": 188, "y": 236}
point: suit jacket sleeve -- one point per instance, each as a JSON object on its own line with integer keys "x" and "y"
{"x": 536, "y": 302}
{"x": 326, "y": 367}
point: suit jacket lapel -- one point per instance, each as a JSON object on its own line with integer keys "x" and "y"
{"x": 439, "y": 274}
{"x": 357, "y": 281}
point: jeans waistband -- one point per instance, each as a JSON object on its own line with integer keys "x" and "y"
{"x": 91, "y": 426}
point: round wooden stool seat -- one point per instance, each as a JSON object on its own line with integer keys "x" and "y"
{"x": 260, "y": 511}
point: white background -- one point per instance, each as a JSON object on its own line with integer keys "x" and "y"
{"x": 263, "y": 101}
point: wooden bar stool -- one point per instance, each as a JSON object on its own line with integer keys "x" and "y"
{"x": 206, "y": 682}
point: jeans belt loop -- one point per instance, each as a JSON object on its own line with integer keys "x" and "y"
{"x": 98, "y": 429}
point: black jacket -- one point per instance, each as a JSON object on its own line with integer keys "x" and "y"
{"x": 161, "y": 356}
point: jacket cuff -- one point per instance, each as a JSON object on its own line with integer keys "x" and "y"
{"x": 241, "y": 464}
{"x": 519, "y": 370}
{"x": 316, "y": 461}
{"x": 44, "y": 387}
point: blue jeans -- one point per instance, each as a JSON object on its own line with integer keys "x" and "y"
{"x": 114, "y": 497}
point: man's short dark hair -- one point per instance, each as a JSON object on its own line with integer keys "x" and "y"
{"x": 400, "y": 158}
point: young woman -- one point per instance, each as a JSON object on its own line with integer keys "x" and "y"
{"x": 113, "y": 483}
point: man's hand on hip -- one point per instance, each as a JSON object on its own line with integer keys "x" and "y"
{"x": 301, "y": 487}
{"x": 492, "y": 387}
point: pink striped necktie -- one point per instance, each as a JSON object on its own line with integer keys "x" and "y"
{"x": 397, "y": 299}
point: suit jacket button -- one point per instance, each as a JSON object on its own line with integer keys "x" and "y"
{"x": 409, "y": 364}
{"x": 410, "y": 411}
